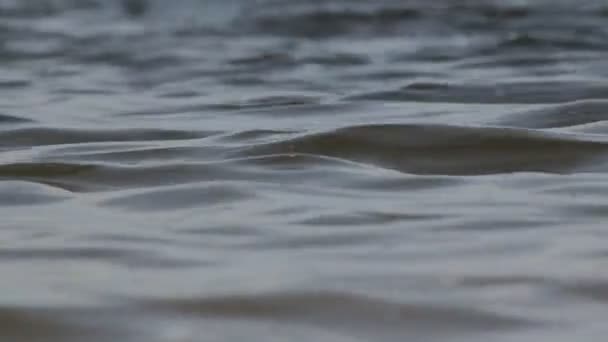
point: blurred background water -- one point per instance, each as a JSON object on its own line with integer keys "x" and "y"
{"x": 282, "y": 170}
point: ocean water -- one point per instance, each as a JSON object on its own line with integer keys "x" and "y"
{"x": 284, "y": 170}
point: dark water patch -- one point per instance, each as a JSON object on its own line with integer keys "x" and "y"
{"x": 324, "y": 23}
{"x": 293, "y": 210}
{"x": 32, "y": 9}
{"x": 91, "y": 91}
{"x": 43, "y": 323}
{"x": 27, "y": 10}
{"x": 310, "y": 109}
{"x": 496, "y": 281}
{"x": 595, "y": 291}
{"x": 227, "y": 231}
{"x": 245, "y": 81}
{"x": 127, "y": 257}
{"x": 43, "y": 169}
{"x": 433, "y": 54}
{"x": 13, "y": 254}
{"x": 497, "y": 12}
{"x": 337, "y": 60}
{"x": 448, "y": 150}
{"x": 508, "y": 225}
{"x": 387, "y": 75}
{"x": 132, "y": 52}
{"x": 10, "y": 119}
{"x": 107, "y": 55}
{"x": 330, "y": 242}
{"x": 182, "y": 198}
{"x": 34, "y": 326}
{"x": 96, "y": 177}
{"x": 29, "y": 52}
{"x": 522, "y": 62}
{"x": 427, "y": 86}
{"x": 170, "y": 110}
{"x": 42, "y": 136}
{"x": 532, "y": 92}
{"x": 135, "y": 8}
{"x": 193, "y": 31}
{"x": 296, "y": 162}
{"x": 125, "y": 238}
{"x": 482, "y": 16}
{"x": 559, "y": 116}
{"x": 12, "y": 84}
{"x": 264, "y": 61}
{"x": 579, "y": 189}
{"x": 581, "y": 41}
{"x": 365, "y": 218}
{"x": 258, "y": 105}
{"x": 181, "y": 94}
{"x": 522, "y": 40}
{"x": 268, "y": 102}
{"x": 343, "y": 311}
{"x": 586, "y": 211}
{"x": 152, "y": 63}
{"x": 78, "y": 177}
{"x": 404, "y": 184}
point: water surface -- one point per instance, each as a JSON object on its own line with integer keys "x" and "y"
{"x": 280, "y": 170}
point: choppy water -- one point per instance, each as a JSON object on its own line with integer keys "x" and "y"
{"x": 303, "y": 170}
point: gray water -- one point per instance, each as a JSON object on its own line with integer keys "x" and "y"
{"x": 303, "y": 170}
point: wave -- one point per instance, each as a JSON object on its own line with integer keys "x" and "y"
{"x": 449, "y": 150}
